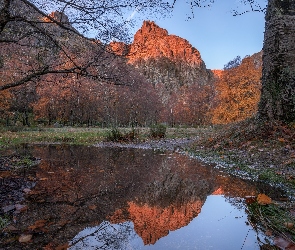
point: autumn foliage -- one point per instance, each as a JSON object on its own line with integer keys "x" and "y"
{"x": 238, "y": 91}
{"x": 140, "y": 84}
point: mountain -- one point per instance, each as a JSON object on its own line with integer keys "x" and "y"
{"x": 151, "y": 41}
{"x": 164, "y": 58}
{"x": 159, "y": 77}
{"x": 176, "y": 69}
{"x": 62, "y": 77}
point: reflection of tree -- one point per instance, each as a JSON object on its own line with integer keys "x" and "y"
{"x": 167, "y": 204}
{"x": 105, "y": 236}
{"x": 80, "y": 187}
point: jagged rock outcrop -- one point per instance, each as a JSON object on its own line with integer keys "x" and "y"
{"x": 151, "y": 41}
{"x": 167, "y": 61}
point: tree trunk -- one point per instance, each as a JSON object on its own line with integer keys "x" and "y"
{"x": 278, "y": 74}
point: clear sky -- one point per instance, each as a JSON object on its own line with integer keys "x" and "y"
{"x": 214, "y": 31}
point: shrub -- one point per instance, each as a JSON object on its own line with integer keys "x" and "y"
{"x": 114, "y": 135}
{"x": 158, "y": 131}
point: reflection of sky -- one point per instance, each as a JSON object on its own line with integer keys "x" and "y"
{"x": 220, "y": 225}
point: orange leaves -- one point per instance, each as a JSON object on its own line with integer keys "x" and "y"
{"x": 263, "y": 199}
{"x": 37, "y": 225}
{"x": 250, "y": 200}
{"x": 281, "y": 139}
{"x": 238, "y": 91}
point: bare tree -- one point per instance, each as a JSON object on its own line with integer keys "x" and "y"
{"x": 34, "y": 34}
{"x": 35, "y": 43}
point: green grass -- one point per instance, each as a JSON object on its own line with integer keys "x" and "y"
{"x": 4, "y": 222}
{"x": 274, "y": 217}
{"x": 79, "y": 136}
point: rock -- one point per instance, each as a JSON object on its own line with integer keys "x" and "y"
{"x": 8, "y": 208}
{"x": 24, "y": 238}
{"x": 151, "y": 41}
{"x": 20, "y": 208}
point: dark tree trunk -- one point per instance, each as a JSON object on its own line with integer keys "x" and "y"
{"x": 278, "y": 73}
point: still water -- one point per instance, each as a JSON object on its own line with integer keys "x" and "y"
{"x": 127, "y": 198}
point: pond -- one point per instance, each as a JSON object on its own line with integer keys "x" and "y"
{"x": 128, "y": 198}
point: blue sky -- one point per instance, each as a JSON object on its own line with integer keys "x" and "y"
{"x": 214, "y": 31}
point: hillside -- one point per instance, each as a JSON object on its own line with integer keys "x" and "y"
{"x": 74, "y": 80}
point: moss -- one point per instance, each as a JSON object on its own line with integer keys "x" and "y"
{"x": 4, "y": 222}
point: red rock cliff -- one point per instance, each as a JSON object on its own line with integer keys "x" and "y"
{"x": 151, "y": 41}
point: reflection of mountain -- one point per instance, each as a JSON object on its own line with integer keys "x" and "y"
{"x": 80, "y": 187}
{"x": 152, "y": 223}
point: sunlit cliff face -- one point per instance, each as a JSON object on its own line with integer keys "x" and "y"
{"x": 151, "y": 41}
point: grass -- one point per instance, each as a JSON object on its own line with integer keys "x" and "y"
{"x": 80, "y": 136}
{"x": 276, "y": 218}
{"x": 4, "y": 221}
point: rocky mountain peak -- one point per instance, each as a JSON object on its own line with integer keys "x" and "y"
{"x": 59, "y": 17}
{"x": 152, "y": 41}
{"x": 150, "y": 29}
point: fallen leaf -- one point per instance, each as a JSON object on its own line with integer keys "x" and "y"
{"x": 63, "y": 247}
{"x": 4, "y": 174}
{"x": 8, "y": 208}
{"x": 10, "y": 228}
{"x": 289, "y": 225}
{"x": 263, "y": 199}
{"x": 92, "y": 207}
{"x": 268, "y": 233}
{"x": 37, "y": 224}
{"x": 26, "y": 190}
{"x": 284, "y": 244}
{"x": 62, "y": 223}
{"x": 25, "y": 238}
{"x": 20, "y": 208}
{"x": 281, "y": 140}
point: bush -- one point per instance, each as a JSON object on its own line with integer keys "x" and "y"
{"x": 114, "y": 135}
{"x": 158, "y": 131}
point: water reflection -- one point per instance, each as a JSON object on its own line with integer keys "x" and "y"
{"x": 127, "y": 196}
{"x": 222, "y": 228}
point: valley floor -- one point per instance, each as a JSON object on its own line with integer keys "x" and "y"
{"x": 243, "y": 149}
